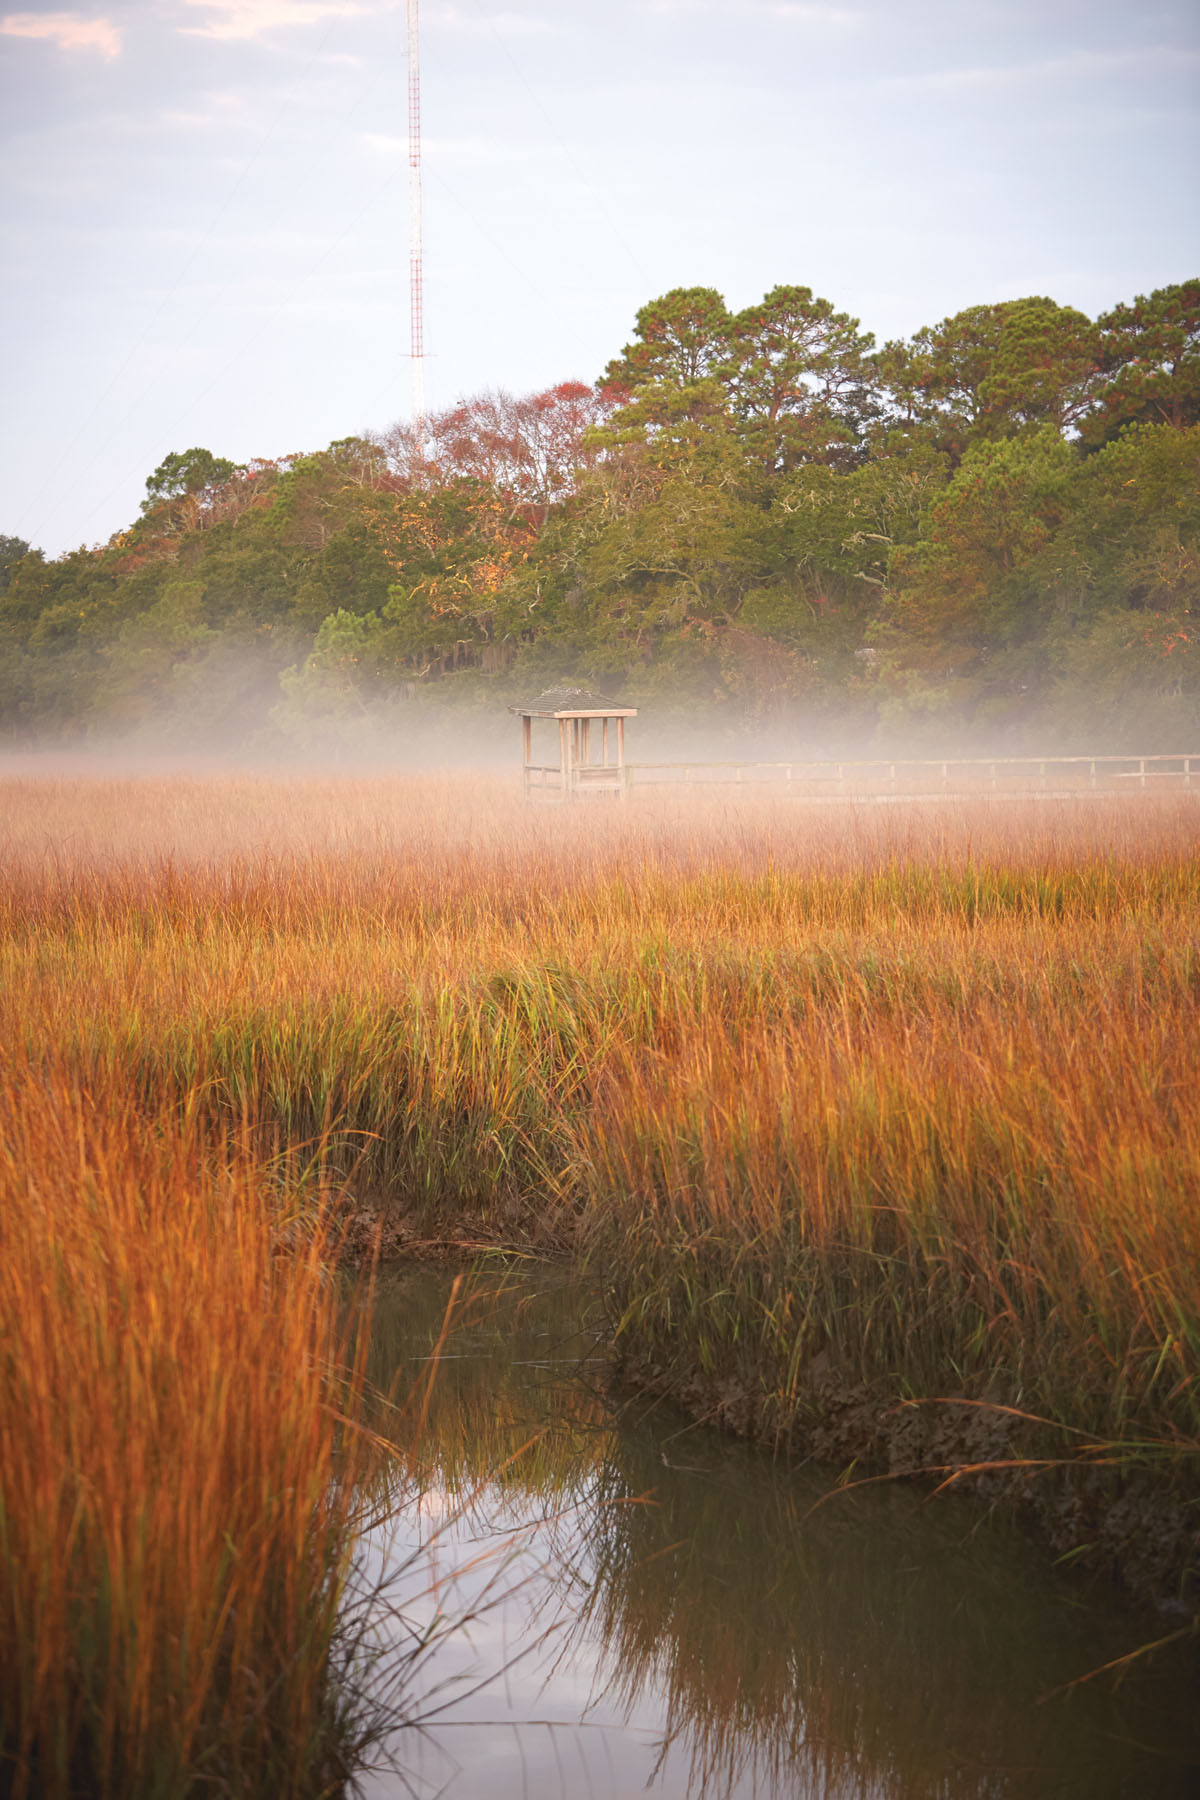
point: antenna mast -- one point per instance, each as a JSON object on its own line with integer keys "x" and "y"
{"x": 416, "y": 278}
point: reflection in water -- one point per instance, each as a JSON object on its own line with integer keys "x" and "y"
{"x": 656, "y": 1608}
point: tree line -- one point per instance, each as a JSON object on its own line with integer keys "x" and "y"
{"x": 987, "y": 533}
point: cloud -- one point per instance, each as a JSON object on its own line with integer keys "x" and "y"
{"x": 70, "y": 31}
{"x": 243, "y": 19}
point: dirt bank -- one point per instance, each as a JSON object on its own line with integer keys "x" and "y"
{"x": 1138, "y": 1523}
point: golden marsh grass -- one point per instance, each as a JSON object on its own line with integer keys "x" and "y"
{"x": 908, "y": 1093}
{"x": 177, "y": 1503}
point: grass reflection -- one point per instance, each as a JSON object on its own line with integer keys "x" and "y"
{"x": 878, "y": 1646}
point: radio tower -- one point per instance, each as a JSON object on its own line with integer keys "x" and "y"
{"x": 416, "y": 279}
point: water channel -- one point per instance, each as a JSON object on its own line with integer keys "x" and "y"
{"x": 617, "y": 1602}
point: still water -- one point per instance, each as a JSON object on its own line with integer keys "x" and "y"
{"x": 614, "y": 1602}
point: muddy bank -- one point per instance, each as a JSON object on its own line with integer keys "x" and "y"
{"x": 1138, "y": 1524}
{"x": 378, "y": 1230}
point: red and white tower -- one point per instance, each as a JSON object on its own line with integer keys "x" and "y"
{"x": 416, "y": 279}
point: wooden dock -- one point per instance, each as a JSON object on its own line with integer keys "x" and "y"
{"x": 587, "y": 730}
{"x": 883, "y": 778}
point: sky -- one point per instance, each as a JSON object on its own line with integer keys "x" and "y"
{"x": 205, "y": 202}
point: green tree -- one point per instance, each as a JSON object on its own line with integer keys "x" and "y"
{"x": 12, "y": 551}
{"x": 182, "y": 490}
{"x": 799, "y": 380}
{"x": 1041, "y": 577}
{"x": 1130, "y": 680}
{"x": 1132, "y": 540}
{"x": 54, "y": 617}
{"x": 347, "y": 690}
{"x": 185, "y": 472}
{"x": 971, "y": 599}
{"x": 1150, "y": 357}
{"x": 682, "y": 339}
{"x": 141, "y": 663}
{"x": 992, "y": 371}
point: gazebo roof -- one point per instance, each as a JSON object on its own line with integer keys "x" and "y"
{"x": 573, "y": 703}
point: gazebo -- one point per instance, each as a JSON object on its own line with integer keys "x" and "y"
{"x": 577, "y": 771}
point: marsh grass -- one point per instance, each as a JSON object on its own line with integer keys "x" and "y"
{"x": 904, "y": 1097}
{"x": 177, "y": 1496}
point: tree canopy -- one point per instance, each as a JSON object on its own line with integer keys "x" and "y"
{"x": 988, "y": 532}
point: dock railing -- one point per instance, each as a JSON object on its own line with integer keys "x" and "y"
{"x": 881, "y": 777}
{"x": 550, "y": 780}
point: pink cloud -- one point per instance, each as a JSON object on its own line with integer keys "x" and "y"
{"x": 70, "y": 31}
